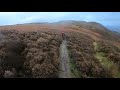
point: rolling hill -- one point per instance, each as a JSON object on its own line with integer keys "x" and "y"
{"x": 32, "y": 50}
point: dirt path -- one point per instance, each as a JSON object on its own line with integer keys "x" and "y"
{"x": 64, "y": 61}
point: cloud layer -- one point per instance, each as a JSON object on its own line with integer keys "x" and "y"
{"x": 105, "y": 18}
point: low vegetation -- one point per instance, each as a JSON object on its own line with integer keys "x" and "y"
{"x": 29, "y": 54}
{"x": 33, "y": 51}
{"x": 82, "y": 55}
{"x": 104, "y": 57}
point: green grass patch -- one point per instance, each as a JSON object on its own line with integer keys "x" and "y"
{"x": 75, "y": 73}
{"x": 106, "y": 62}
{"x": 95, "y": 46}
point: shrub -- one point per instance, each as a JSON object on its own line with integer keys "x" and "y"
{"x": 9, "y": 74}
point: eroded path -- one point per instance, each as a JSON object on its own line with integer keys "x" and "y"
{"x": 64, "y": 61}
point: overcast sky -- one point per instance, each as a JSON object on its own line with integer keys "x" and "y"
{"x": 105, "y": 18}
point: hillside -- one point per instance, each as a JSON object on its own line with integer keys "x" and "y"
{"x": 32, "y": 50}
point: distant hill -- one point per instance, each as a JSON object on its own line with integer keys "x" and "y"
{"x": 105, "y": 32}
{"x": 91, "y": 27}
{"x": 114, "y": 28}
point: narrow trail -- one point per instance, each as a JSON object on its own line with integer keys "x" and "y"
{"x": 64, "y": 61}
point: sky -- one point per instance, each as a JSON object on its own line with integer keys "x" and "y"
{"x": 105, "y": 18}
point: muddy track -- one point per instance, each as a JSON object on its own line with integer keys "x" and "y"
{"x": 64, "y": 61}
